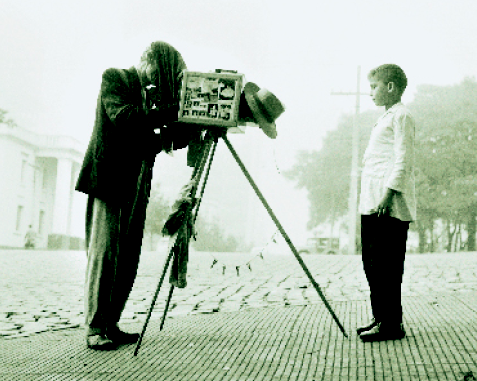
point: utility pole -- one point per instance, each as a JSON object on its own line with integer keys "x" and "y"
{"x": 353, "y": 189}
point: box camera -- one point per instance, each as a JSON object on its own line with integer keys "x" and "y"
{"x": 211, "y": 99}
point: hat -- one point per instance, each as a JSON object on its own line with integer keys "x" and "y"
{"x": 265, "y": 107}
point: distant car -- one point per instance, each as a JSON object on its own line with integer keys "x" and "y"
{"x": 320, "y": 245}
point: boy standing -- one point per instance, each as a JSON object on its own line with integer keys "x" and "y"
{"x": 387, "y": 203}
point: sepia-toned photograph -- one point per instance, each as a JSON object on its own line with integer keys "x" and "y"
{"x": 240, "y": 190}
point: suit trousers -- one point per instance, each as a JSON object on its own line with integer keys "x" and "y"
{"x": 383, "y": 242}
{"x": 113, "y": 244}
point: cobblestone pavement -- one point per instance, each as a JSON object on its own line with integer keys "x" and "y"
{"x": 293, "y": 343}
{"x": 43, "y": 290}
{"x": 291, "y": 337}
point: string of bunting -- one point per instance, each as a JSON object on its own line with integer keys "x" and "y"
{"x": 218, "y": 263}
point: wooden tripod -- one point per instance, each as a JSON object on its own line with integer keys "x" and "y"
{"x": 211, "y": 140}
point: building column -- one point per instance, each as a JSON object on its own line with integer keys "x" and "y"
{"x": 61, "y": 207}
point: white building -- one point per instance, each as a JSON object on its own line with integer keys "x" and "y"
{"x": 37, "y": 179}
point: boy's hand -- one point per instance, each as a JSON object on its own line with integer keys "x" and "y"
{"x": 384, "y": 207}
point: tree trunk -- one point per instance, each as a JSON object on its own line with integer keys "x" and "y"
{"x": 422, "y": 237}
{"x": 455, "y": 247}
{"x": 431, "y": 233}
{"x": 471, "y": 229}
{"x": 459, "y": 239}
{"x": 449, "y": 237}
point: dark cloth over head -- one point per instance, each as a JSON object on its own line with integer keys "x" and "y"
{"x": 160, "y": 71}
{"x": 161, "y": 65}
{"x": 123, "y": 134}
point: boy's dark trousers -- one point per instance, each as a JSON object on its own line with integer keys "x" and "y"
{"x": 383, "y": 242}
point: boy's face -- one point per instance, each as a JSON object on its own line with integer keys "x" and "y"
{"x": 384, "y": 94}
{"x": 379, "y": 92}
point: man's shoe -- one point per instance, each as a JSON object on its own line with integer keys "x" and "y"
{"x": 381, "y": 333}
{"x": 366, "y": 327}
{"x": 99, "y": 342}
{"x": 119, "y": 337}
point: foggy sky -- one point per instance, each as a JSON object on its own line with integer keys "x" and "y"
{"x": 53, "y": 53}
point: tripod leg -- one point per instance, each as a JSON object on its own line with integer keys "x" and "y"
{"x": 284, "y": 234}
{"x": 159, "y": 285}
{"x": 197, "y": 174}
{"x": 171, "y": 290}
{"x": 205, "y": 181}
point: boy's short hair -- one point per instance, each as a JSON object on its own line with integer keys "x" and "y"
{"x": 390, "y": 73}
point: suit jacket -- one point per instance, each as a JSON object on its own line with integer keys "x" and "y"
{"x": 122, "y": 138}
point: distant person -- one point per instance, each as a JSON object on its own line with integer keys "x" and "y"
{"x": 116, "y": 175}
{"x": 30, "y": 238}
{"x": 387, "y": 203}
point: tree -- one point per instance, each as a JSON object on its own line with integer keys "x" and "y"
{"x": 325, "y": 174}
{"x": 446, "y": 147}
{"x": 446, "y": 165}
{"x": 210, "y": 237}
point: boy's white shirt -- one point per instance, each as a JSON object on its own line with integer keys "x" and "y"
{"x": 388, "y": 162}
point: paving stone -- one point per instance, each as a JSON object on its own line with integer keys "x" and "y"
{"x": 437, "y": 288}
{"x": 10, "y": 326}
{"x": 35, "y": 327}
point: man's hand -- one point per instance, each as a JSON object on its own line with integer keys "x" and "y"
{"x": 384, "y": 207}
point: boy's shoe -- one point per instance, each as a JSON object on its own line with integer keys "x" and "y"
{"x": 381, "y": 333}
{"x": 366, "y": 327}
{"x": 99, "y": 342}
{"x": 119, "y": 337}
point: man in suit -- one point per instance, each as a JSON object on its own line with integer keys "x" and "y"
{"x": 116, "y": 175}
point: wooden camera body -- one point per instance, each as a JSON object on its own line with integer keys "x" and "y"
{"x": 210, "y": 99}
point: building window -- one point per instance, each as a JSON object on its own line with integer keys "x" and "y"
{"x": 19, "y": 217}
{"x": 41, "y": 222}
{"x": 24, "y": 169}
